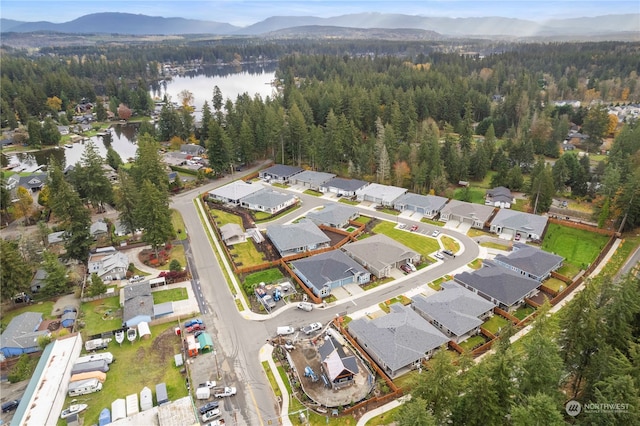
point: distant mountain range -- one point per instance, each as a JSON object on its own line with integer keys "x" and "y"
{"x": 126, "y": 23}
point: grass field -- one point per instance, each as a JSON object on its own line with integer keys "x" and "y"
{"x": 178, "y": 225}
{"x": 351, "y": 203}
{"x": 523, "y": 312}
{"x": 267, "y": 276}
{"x": 476, "y": 195}
{"x": 577, "y": 246}
{"x": 138, "y": 364}
{"x": 172, "y": 295}
{"x": 554, "y": 284}
{"x": 177, "y": 252}
{"x": 476, "y": 264}
{"x": 450, "y": 244}
{"x": 496, "y": 246}
{"x": 314, "y": 193}
{"x": 416, "y": 242}
{"x": 246, "y": 254}
{"x": 101, "y": 315}
{"x": 222, "y": 218}
{"x": 472, "y": 342}
{"x": 495, "y": 324}
{"x": 363, "y": 219}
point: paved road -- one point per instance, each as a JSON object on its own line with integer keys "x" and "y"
{"x": 238, "y": 341}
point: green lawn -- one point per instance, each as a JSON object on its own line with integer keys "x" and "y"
{"x": 520, "y": 205}
{"x": 267, "y": 276}
{"x": 246, "y": 254}
{"x": 496, "y": 246}
{"x": 432, "y": 222}
{"x": 417, "y": 242}
{"x": 523, "y": 312}
{"x": 314, "y": 193}
{"x": 172, "y": 295}
{"x": 363, "y": 219}
{"x": 389, "y": 211}
{"x": 577, "y": 246}
{"x": 437, "y": 284}
{"x": 554, "y": 284}
{"x": 101, "y": 315}
{"x": 472, "y": 342}
{"x": 351, "y": 203}
{"x": 178, "y": 225}
{"x": 44, "y": 308}
{"x": 476, "y": 264}
{"x": 222, "y": 218}
{"x": 450, "y": 244}
{"x": 141, "y": 363}
{"x": 177, "y": 252}
{"x": 386, "y": 418}
{"x": 495, "y": 324}
{"x": 476, "y": 195}
{"x": 568, "y": 270}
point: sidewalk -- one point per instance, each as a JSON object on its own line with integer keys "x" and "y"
{"x": 266, "y": 354}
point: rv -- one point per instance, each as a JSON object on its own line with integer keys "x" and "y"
{"x": 85, "y": 367}
{"x": 89, "y": 375}
{"x": 96, "y": 344}
{"x": 84, "y": 387}
{"x": 107, "y": 356}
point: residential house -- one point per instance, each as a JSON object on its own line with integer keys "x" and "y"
{"x": 499, "y": 197}
{"x": 343, "y": 187}
{"x": 279, "y": 173}
{"x": 325, "y": 271}
{"x": 56, "y": 238}
{"x": 501, "y": 286}
{"x": 98, "y": 228}
{"x": 32, "y": 183}
{"x": 514, "y": 223}
{"x": 460, "y": 211}
{"x": 383, "y": 195}
{"x": 108, "y": 263}
{"x": 335, "y": 215}
{"x": 530, "y": 261}
{"x": 137, "y": 303}
{"x": 232, "y": 233}
{"x": 176, "y": 159}
{"x": 380, "y": 254}
{"x": 85, "y": 127}
{"x": 110, "y": 173}
{"x": 310, "y": 179}
{"x": 297, "y": 237}
{"x": 63, "y": 130}
{"x": 21, "y": 335}
{"x": 339, "y": 367}
{"x": 426, "y": 205}
{"x": 120, "y": 229}
{"x": 234, "y": 192}
{"x": 398, "y": 341}
{"x": 192, "y": 149}
{"x": 566, "y": 146}
{"x": 454, "y": 310}
{"x": 38, "y": 283}
{"x": 268, "y": 201}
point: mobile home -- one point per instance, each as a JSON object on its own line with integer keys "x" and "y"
{"x": 84, "y": 387}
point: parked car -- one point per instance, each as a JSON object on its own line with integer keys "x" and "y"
{"x": 285, "y": 330}
{"x": 405, "y": 268}
{"x": 10, "y": 405}
{"x": 305, "y": 306}
{"x": 517, "y": 237}
{"x": 195, "y": 327}
{"x": 208, "y": 407}
{"x": 413, "y": 228}
{"x": 197, "y": 333}
{"x": 448, "y": 252}
{"x": 208, "y": 384}
{"x": 435, "y": 233}
{"x": 227, "y": 391}
{"x": 314, "y": 326}
{"x": 193, "y": 322}
{"x": 210, "y": 415}
{"x": 438, "y": 255}
{"x": 136, "y": 278}
{"x": 412, "y": 267}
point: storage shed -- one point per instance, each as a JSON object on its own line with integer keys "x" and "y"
{"x": 118, "y": 409}
{"x": 132, "y": 404}
{"x": 146, "y": 399}
{"x": 68, "y": 319}
{"x": 143, "y": 330}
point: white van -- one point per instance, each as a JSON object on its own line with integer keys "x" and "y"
{"x": 84, "y": 387}
{"x": 305, "y": 306}
{"x": 107, "y": 356}
{"x": 285, "y": 330}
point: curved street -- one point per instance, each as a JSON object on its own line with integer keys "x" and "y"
{"x": 238, "y": 340}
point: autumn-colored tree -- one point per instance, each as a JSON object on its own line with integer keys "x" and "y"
{"x": 54, "y": 103}
{"x": 124, "y": 112}
{"x": 24, "y": 205}
{"x": 613, "y": 123}
{"x": 175, "y": 143}
{"x": 625, "y": 94}
{"x": 186, "y": 99}
{"x": 401, "y": 172}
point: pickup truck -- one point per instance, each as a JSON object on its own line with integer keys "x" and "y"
{"x": 227, "y": 391}
{"x": 208, "y": 384}
{"x": 314, "y": 326}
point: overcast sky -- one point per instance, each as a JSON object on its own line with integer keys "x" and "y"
{"x": 242, "y": 13}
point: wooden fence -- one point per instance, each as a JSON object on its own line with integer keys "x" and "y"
{"x": 584, "y": 227}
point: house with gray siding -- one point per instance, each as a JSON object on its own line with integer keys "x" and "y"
{"x": 512, "y": 222}
{"x": 460, "y": 211}
{"x": 397, "y": 341}
{"x": 298, "y": 237}
{"x": 454, "y": 310}
{"x": 380, "y": 254}
{"x": 530, "y": 261}
{"x": 325, "y": 271}
{"x": 342, "y": 186}
{"x": 234, "y": 191}
{"x": 279, "y": 173}
{"x": 335, "y": 215}
{"x": 310, "y": 179}
{"x": 384, "y": 195}
{"x": 501, "y": 286}
{"x": 500, "y": 197}
{"x": 108, "y": 263}
{"x": 426, "y": 205}
{"x": 268, "y": 201}
{"x": 232, "y": 233}
{"x": 21, "y": 335}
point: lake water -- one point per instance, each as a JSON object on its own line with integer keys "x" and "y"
{"x": 232, "y": 82}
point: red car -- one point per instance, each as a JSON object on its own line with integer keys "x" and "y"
{"x": 413, "y": 228}
{"x": 195, "y": 327}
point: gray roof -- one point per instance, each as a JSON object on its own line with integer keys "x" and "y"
{"x": 499, "y": 190}
{"x": 22, "y": 331}
{"x": 350, "y": 185}
{"x": 386, "y": 193}
{"x": 281, "y": 171}
{"x": 428, "y": 202}
{"x": 137, "y": 300}
{"x": 98, "y": 227}
{"x": 520, "y": 221}
{"x": 267, "y": 198}
{"x": 398, "y": 338}
{"x": 313, "y": 178}
{"x": 336, "y": 360}
{"x": 328, "y": 267}
{"x": 530, "y": 259}
{"x": 192, "y": 149}
{"x": 236, "y": 190}
{"x": 36, "y": 180}
{"x": 379, "y": 251}
{"x": 230, "y": 230}
{"x": 56, "y": 237}
{"x": 112, "y": 260}
{"x": 455, "y": 307}
{"x": 333, "y": 213}
{"x": 290, "y": 236}
{"x": 462, "y": 208}
{"x": 500, "y": 283}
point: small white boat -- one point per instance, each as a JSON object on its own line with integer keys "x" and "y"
{"x": 73, "y": 409}
{"x": 120, "y": 336}
{"x": 131, "y": 334}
